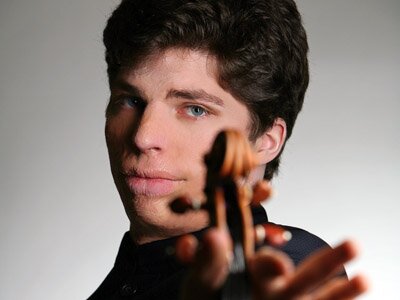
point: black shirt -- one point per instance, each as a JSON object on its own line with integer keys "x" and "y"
{"x": 150, "y": 271}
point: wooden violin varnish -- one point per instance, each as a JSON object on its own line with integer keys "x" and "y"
{"x": 228, "y": 200}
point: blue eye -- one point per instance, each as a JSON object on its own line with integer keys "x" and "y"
{"x": 196, "y": 111}
{"x": 132, "y": 102}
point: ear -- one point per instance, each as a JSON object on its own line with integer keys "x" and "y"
{"x": 270, "y": 143}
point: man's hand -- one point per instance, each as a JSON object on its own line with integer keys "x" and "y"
{"x": 272, "y": 273}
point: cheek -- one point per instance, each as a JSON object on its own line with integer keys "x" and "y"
{"x": 115, "y": 136}
{"x": 196, "y": 148}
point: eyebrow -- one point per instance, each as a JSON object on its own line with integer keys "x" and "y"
{"x": 195, "y": 95}
{"x": 127, "y": 87}
{"x": 198, "y": 94}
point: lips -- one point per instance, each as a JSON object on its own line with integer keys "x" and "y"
{"x": 152, "y": 183}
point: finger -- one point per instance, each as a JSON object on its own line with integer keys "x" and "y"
{"x": 343, "y": 289}
{"x": 210, "y": 267}
{"x": 318, "y": 268}
{"x": 268, "y": 269}
{"x": 268, "y": 263}
{"x": 212, "y": 262}
{"x": 186, "y": 248}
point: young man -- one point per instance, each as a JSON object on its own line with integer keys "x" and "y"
{"x": 179, "y": 72}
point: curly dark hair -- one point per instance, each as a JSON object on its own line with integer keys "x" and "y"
{"x": 260, "y": 46}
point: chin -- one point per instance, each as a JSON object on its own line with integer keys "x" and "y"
{"x": 152, "y": 220}
{"x": 148, "y": 228}
{"x": 183, "y": 224}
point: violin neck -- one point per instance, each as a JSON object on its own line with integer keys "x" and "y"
{"x": 236, "y": 287}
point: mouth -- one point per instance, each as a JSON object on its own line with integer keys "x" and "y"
{"x": 152, "y": 183}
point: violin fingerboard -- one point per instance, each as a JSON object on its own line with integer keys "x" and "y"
{"x": 236, "y": 287}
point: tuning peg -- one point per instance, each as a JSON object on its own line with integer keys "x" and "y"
{"x": 182, "y": 204}
{"x": 273, "y": 234}
{"x": 262, "y": 190}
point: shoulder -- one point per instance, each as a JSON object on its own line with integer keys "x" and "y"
{"x": 302, "y": 244}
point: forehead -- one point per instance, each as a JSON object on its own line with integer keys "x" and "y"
{"x": 174, "y": 60}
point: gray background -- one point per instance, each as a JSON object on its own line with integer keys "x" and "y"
{"x": 61, "y": 220}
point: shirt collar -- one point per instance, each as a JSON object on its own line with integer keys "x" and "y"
{"x": 158, "y": 252}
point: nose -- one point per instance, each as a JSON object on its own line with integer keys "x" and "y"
{"x": 151, "y": 132}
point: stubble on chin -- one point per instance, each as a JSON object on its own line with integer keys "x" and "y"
{"x": 156, "y": 222}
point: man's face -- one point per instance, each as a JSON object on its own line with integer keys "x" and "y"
{"x": 162, "y": 118}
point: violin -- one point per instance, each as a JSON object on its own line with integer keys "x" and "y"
{"x": 228, "y": 201}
